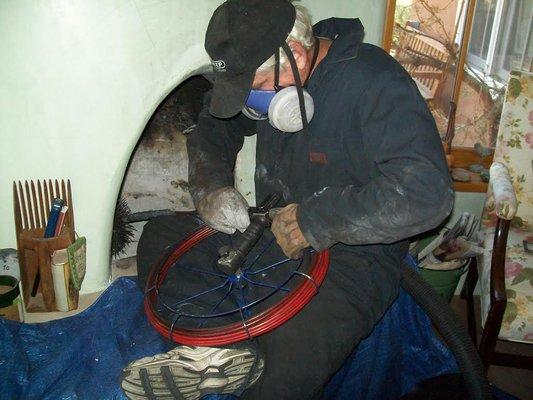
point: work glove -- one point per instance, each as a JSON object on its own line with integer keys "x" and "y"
{"x": 225, "y": 210}
{"x": 287, "y": 231}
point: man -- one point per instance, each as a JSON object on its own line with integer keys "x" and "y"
{"x": 359, "y": 177}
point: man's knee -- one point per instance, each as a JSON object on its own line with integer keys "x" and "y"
{"x": 168, "y": 229}
{"x": 158, "y": 234}
{"x": 159, "y": 226}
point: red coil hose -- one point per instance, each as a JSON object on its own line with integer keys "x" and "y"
{"x": 257, "y": 325}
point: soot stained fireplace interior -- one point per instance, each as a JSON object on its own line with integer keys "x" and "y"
{"x": 155, "y": 181}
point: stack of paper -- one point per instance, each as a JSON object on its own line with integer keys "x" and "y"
{"x": 454, "y": 246}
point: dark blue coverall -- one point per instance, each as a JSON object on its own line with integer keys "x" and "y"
{"x": 369, "y": 174}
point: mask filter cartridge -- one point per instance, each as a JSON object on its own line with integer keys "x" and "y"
{"x": 282, "y": 108}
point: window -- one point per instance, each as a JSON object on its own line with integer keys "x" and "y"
{"x": 498, "y": 40}
{"x": 501, "y": 37}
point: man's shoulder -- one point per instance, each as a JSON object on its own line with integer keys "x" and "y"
{"x": 373, "y": 63}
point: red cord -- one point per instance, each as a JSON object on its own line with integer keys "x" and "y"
{"x": 235, "y": 332}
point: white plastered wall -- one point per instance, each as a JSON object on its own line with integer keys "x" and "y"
{"x": 80, "y": 79}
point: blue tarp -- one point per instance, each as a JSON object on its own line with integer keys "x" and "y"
{"x": 81, "y": 357}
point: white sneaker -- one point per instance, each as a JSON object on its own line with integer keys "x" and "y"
{"x": 189, "y": 373}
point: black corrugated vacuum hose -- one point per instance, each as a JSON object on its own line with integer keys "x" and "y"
{"x": 451, "y": 330}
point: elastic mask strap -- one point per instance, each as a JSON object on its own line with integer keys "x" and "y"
{"x": 298, "y": 82}
{"x": 276, "y": 71}
{"x": 313, "y": 61}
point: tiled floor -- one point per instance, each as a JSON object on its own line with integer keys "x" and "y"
{"x": 124, "y": 267}
{"x": 85, "y": 301}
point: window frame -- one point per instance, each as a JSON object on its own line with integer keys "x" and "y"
{"x": 500, "y": 32}
{"x": 476, "y": 60}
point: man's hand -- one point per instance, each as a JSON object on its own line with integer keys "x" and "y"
{"x": 287, "y": 232}
{"x": 225, "y": 210}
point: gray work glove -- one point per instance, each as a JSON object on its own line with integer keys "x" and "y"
{"x": 225, "y": 210}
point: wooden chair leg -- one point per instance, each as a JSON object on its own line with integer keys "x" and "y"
{"x": 490, "y": 331}
{"x": 498, "y": 297}
{"x": 468, "y": 294}
{"x": 513, "y": 360}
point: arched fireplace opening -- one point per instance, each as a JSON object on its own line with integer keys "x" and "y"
{"x": 155, "y": 180}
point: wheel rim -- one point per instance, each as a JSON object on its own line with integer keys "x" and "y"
{"x": 310, "y": 278}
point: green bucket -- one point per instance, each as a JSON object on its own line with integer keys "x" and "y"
{"x": 443, "y": 281}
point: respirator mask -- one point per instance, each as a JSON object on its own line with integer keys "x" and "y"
{"x": 288, "y": 109}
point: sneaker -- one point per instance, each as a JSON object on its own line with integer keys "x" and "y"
{"x": 189, "y": 373}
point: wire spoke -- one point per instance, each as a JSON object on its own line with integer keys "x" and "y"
{"x": 147, "y": 291}
{"x": 244, "y": 305}
{"x": 174, "y": 323}
{"x": 261, "y": 252}
{"x": 243, "y": 318}
{"x": 200, "y": 271}
{"x": 218, "y": 303}
{"x": 267, "y": 285}
{"x": 307, "y": 277}
{"x": 160, "y": 301}
{"x": 268, "y": 267}
{"x": 252, "y": 303}
{"x": 202, "y": 293}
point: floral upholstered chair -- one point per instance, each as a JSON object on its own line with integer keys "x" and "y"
{"x": 506, "y": 267}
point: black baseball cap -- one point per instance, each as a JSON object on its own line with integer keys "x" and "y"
{"x": 242, "y": 35}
